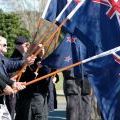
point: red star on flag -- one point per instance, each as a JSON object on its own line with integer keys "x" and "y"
{"x": 71, "y": 39}
{"x": 77, "y": 1}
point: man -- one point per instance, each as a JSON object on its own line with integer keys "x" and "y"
{"x": 52, "y": 95}
{"x": 21, "y": 47}
{"x": 78, "y": 105}
{"x": 7, "y": 86}
{"x": 32, "y": 102}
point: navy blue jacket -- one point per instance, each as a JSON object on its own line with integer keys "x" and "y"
{"x": 6, "y": 66}
{"x": 28, "y": 75}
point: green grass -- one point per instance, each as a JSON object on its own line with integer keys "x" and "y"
{"x": 59, "y": 85}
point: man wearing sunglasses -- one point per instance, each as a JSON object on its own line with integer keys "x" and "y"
{"x": 8, "y": 86}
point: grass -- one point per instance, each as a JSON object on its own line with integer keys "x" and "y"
{"x": 59, "y": 85}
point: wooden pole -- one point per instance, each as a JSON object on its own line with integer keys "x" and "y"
{"x": 64, "y": 21}
{"x": 106, "y": 53}
{"x": 53, "y": 73}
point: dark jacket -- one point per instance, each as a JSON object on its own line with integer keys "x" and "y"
{"x": 39, "y": 87}
{"x": 16, "y": 55}
{"x": 28, "y": 75}
{"x": 6, "y": 66}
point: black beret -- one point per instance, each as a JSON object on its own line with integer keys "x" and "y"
{"x": 21, "y": 40}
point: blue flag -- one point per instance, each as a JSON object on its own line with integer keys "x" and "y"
{"x": 102, "y": 29}
{"x": 71, "y": 50}
{"x": 104, "y": 32}
{"x": 56, "y": 7}
{"x": 68, "y": 51}
{"x": 97, "y": 30}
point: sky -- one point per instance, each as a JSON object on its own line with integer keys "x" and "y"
{"x": 13, "y": 5}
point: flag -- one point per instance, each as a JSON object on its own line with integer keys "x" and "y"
{"x": 68, "y": 52}
{"x": 71, "y": 50}
{"x": 103, "y": 31}
{"x": 56, "y": 7}
{"x": 97, "y": 28}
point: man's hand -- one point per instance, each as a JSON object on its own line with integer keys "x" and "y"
{"x": 30, "y": 60}
{"x": 42, "y": 52}
{"x": 54, "y": 79}
{"x": 17, "y": 86}
{"x": 116, "y": 57}
{"x": 14, "y": 78}
{"x": 8, "y": 90}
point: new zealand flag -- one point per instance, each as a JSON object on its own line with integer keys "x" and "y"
{"x": 96, "y": 29}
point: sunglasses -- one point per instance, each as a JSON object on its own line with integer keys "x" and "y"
{"x": 4, "y": 45}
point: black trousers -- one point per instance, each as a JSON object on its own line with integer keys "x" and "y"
{"x": 78, "y": 106}
{"x": 32, "y": 108}
{"x": 11, "y": 103}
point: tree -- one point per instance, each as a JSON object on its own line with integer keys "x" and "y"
{"x": 10, "y": 28}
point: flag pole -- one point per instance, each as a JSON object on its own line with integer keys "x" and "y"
{"x": 103, "y": 54}
{"x": 67, "y": 18}
{"x": 46, "y": 9}
{"x": 57, "y": 19}
{"x": 43, "y": 16}
{"x": 63, "y": 10}
{"x": 64, "y": 21}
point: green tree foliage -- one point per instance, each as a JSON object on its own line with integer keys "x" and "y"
{"x": 10, "y": 28}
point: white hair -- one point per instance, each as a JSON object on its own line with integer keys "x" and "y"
{"x": 2, "y": 39}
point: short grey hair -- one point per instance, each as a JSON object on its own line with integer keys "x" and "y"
{"x": 2, "y": 39}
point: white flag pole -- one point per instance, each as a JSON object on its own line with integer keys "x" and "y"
{"x": 61, "y": 13}
{"x": 75, "y": 9}
{"x": 46, "y": 9}
{"x": 63, "y": 10}
{"x": 109, "y": 52}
